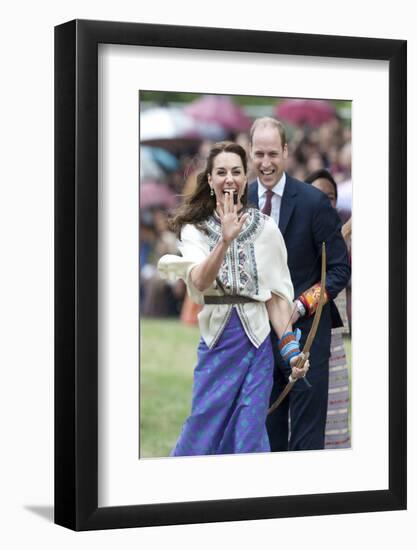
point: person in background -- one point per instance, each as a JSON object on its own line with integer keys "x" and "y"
{"x": 306, "y": 220}
{"x": 159, "y": 298}
{"x": 234, "y": 263}
{"x": 337, "y": 433}
{"x": 323, "y": 180}
{"x": 344, "y": 209}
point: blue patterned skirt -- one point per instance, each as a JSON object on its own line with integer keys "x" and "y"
{"x": 231, "y": 390}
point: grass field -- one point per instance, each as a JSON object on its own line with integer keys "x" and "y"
{"x": 168, "y": 356}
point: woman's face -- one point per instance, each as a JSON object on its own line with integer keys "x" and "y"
{"x": 227, "y": 176}
{"x": 327, "y": 188}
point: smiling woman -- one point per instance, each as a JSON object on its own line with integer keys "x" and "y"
{"x": 228, "y": 178}
{"x": 225, "y": 169}
{"x": 234, "y": 263}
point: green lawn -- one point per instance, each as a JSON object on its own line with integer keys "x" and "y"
{"x": 168, "y": 356}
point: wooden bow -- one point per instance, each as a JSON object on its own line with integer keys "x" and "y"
{"x": 310, "y": 338}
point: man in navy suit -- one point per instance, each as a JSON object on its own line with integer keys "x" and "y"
{"x": 306, "y": 219}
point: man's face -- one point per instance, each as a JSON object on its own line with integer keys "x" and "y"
{"x": 268, "y": 155}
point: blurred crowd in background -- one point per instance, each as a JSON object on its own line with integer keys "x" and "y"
{"x": 176, "y": 132}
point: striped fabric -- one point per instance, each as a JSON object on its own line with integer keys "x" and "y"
{"x": 289, "y": 346}
{"x": 337, "y": 433}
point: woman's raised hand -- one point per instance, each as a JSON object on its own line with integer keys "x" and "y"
{"x": 231, "y": 223}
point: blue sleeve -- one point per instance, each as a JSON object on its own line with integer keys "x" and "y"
{"x": 327, "y": 227}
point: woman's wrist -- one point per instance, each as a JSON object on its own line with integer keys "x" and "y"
{"x": 289, "y": 345}
{"x": 224, "y": 242}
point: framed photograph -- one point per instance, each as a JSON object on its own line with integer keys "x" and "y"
{"x": 177, "y": 132}
{"x": 114, "y": 426}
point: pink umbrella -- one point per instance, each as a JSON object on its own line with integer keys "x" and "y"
{"x": 155, "y": 194}
{"x": 219, "y": 109}
{"x": 301, "y": 112}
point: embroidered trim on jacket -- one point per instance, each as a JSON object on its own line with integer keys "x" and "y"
{"x": 238, "y": 273}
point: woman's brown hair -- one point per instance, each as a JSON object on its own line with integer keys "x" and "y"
{"x": 200, "y": 204}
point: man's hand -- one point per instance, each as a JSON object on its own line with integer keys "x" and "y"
{"x": 298, "y": 311}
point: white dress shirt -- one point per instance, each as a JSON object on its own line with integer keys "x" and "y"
{"x": 278, "y": 191}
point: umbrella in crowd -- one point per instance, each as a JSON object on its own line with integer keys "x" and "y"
{"x": 156, "y": 162}
{"x": 154, "y": 194}
{"x": 305, "y": 112}
{"x": 165, "y": 123}
{"x": 161, "y": 126}
{"x": 221, "y": 110}
{"x": 149, "y": 168}
{"x": 164, "y": 158}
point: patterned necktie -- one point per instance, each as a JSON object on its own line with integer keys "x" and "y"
{"x": 268, "y": 203}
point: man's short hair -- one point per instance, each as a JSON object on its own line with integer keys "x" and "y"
{"x": 268, "y": 121}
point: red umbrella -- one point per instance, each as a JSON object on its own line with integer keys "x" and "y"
{"x": 156, "y": 194}
{"x": 301, "y": 112}
{"x": 219, "y": 109}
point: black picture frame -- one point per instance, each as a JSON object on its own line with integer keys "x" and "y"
{"x": 76, "y": 273}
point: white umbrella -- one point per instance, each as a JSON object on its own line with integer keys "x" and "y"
{"x": 165, "y": 123}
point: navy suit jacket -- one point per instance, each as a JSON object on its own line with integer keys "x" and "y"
{"x": 306, "y": 220}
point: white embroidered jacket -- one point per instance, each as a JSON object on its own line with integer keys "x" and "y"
{"x": 255, "y": 265}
